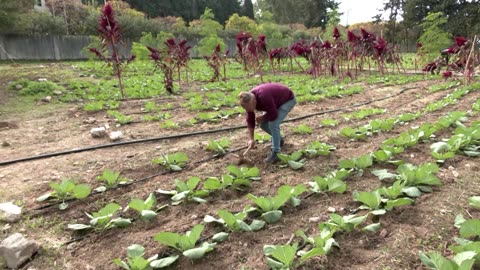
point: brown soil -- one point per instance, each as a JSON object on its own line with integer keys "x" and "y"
{"x": 425, "y": 226}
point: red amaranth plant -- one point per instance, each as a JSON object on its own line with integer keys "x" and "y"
{"x": 217, "y": 60}
{"x": 279, "y": 55}
{"x": 251, "y": 53}
{"x": 110, "y": 33}
{"x": 178, "y": 55}
{"x": 165, "y": 66}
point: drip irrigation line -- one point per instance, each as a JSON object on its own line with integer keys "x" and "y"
{"x": 135, "y": 182}
{"x": 182, "y": 135}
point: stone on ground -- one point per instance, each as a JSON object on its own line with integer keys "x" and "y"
{"x": 9, "y": 212}
{"x": 16, "y": 250}
{"x": 98, "y": 132}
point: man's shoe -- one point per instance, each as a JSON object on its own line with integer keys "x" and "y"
{"x": 273, "y": 158}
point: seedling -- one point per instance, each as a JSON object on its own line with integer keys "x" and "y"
{"x": 186, "y": 243}
{"x": 120, "y": 118}
{"x": 262, "y": 138}
{"x": 376, "y": 204}
{"x": 111, "y": 179}
{"x": 219, "y": 147}
{"x": 280, "y": 257}
{"x": 293, "y": 160}
{"x": 269, "y": 206}
{"x": 329, "y": 122}
{"x": 186, "y": 191}
{"x": 235, "y": 222}
{"x": 172, "y": 162}
{"x": 169, "y": 124}
{"x": 345, "y": 223}
{"x": 321, "y": 244}
{"x": 327, "y": 184}
{"x": 357, "y": 164}
{"x": 319, "y": 149}
{"x": 303, "y": 129}
{"x": 135, "y": 260}
{"x": 65, "y": 191}
{"x": 144, "y": 208}
{"x": 103, "y": 219}
{"x": 461, "y": 261}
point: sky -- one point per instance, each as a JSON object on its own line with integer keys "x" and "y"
{"x": 356, "y": 11}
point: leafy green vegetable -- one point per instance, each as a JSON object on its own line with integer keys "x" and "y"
{"x": 280, "y": 257}
{"x": 219, "y": 147}
{"x": 186, "y": 191}
{"x": 294, "y": 160}
{"x": 303, "y": 129}
{"x": 144, "y": 208}
{"x": 172, "y": 162}
{"x": 135, "y": 260}
{"x": 111, "y": 179}
{"x": 186, "y": 243}
{"x": 64, "y": 191}
{"x": 235, "y": 222}
{"x": 103, "y": 219}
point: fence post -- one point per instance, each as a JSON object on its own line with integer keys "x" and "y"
{"x": 3, "y": 55}
{"x": 56, "y": 50}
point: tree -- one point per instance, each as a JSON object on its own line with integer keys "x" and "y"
{"x": 209, "y": 28}
{"x": 311, "y": 13}
{"x": 238, "y": 23}
{"x": 10, "y": 12}
{"x": 434, "y": 39}
{"x": 248, "y": 9}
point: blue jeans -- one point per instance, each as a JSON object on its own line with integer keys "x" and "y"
{"x": 273, "y": 127}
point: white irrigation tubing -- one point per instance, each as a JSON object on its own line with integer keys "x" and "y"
{"x": 181, "y": 135}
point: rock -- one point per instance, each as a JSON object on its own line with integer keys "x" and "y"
{"x": 384, "y": 233}
{"x": 2, "y": 175}
{"x": 47, "y": 99}
{"x": 5, "y": 144}
{"x": 90, "y": 120}
{"x": 116, "y": 135}
{"x": 98, "y": 132}
{"x": 194, "y": 217}
{"x": 314, "y": 219}
{"x": 42, "y": 80}
{"x": 16, "y": 249}
{"x": 57, "y": 92}
{"x": 331, "y": 209}
{"x": 107, "y": 126}
{"x": 9, "y": 212}
{"x": 455, "y": 174}
{"x": 19, "y": 87}
{"x": 71, "y": 246}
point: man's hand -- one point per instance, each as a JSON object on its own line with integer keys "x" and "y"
{"x": 251, "y": 143}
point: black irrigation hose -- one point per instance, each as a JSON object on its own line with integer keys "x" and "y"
{"x": 134, "y": 182}
{"x": 181, "y": 135}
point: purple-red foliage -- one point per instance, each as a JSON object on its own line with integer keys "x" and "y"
{"x": 351, "y": 37}
{"x": 242, "y": 39}
{"x": 336, "y": 33}
{"x": 367, "y": 36}
{"x": 108, "y": 26}
{"x": 97, "y": 53}
{"x": 419, "y": 45}
{"x": 460, "y": 41}
{"x": 430, "y": 67}
{"x": 301, "y": 48}
{"x": 326, "y": 45}
{"x": 278, "y": 54}
{"x": 380, "y": 46}
{"x": 447, "y": 74}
